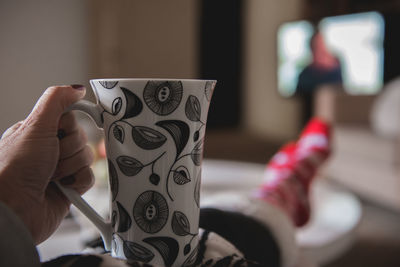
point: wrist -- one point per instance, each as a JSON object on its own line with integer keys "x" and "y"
{"x": 11, "y": 197}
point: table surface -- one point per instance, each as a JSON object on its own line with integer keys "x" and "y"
{"x": 330, "y": 232}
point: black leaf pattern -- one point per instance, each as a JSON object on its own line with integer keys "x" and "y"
{"x": 181, "y": 175}
{"x": 113, "y": 218}
{"x": 166, "y": 246}
{"x": 163, "y": 97}
{"x": 196, "y": 136}
{"x": 197, "y": 153}
{"x": 113, "y": 179}
{"x": 197, "y": 190}
{"x": 187, "y": 249}
{"x": 180, "y": 224}
{"x": 108, "y": 84}
{"x": 134, "y": 105}
{"x": 116, "y": 105}
{"x": 193, "y": 108}
{"x": 119, "y": 133}
{"x": 134, "y": 251}
{"x": 209, "y": 89}
{"x": 179, "y": 131}
{"x": 129, "y": 166}
{"x": 154, "y": 179}
{"x": 191, "y": 260}
{"x": 151, "y": 211}
{"x": 125, "y": 221}
{"x": 147, "y": 138}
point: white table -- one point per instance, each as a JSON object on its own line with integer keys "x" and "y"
{"x": 331, "y": 231}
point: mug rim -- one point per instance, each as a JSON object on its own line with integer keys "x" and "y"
{"x": 151, "y": 79}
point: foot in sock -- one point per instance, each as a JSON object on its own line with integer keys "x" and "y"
{"x": 289, "y": 173}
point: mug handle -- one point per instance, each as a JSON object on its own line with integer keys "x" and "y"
{"x": 94, "y": 111}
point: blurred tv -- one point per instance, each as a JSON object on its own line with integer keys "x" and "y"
{"x": 347, "y": 50}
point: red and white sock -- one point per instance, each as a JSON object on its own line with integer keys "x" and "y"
{"x": 289, "y": 173}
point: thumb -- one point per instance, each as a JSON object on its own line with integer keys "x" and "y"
{"x": 52, "y": 104}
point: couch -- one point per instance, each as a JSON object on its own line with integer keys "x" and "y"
{"x": 365, "y": 158}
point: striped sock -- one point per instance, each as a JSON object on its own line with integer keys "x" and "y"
{"x": 289, "y": 173}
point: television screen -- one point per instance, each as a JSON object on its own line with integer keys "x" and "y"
{"x": 345, "y": 50}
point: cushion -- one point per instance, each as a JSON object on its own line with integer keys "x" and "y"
{"x": 385, "y": 119}
{"x": 360, "y": 142}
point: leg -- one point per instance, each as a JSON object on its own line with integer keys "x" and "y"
{"x": 262, "y": 225}
{"x": 248, "y": 235}
{"x": 290, "y": 172}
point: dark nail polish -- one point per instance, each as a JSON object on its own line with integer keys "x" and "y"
{"x": 61, "y": 134}
{"x": 69, "y": 180}
{"x": 78, "y": 86}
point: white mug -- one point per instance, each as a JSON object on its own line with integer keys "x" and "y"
{"x": 154, "y": 132}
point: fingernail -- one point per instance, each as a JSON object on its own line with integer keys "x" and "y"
{"x": 78, "y": 86}
{"x": 68, "y": 180}
{"x": 61, "y": 134}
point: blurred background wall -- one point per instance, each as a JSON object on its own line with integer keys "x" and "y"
{"x": 64, "y": 42}
{"x": 42, "y": 43}
{"x": 145, "y": 38}
{"x": 267, "y": 114}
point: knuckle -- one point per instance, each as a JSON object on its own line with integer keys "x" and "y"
{"x": 11, "y": 129}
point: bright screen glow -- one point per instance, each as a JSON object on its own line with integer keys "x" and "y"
{"x": 355, "y": 40}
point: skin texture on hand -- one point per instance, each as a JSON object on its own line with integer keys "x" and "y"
{"x": 48, "y": 145}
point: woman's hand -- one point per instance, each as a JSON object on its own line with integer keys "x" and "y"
{"x": 47, "y": 145}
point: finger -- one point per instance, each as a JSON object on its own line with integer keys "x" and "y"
{"x": 68, "y": 123}
{"x": 11, "y": 130}
{"x": 69, "y": 166}
{"x": 73, "y": 143}
{"x": 80, "y": 181}
{"x": 51, "y": 105}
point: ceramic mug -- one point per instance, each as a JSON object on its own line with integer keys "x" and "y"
{"x": 154, "y": 132}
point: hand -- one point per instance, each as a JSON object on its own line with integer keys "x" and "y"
{"x": 47, "y": 145}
